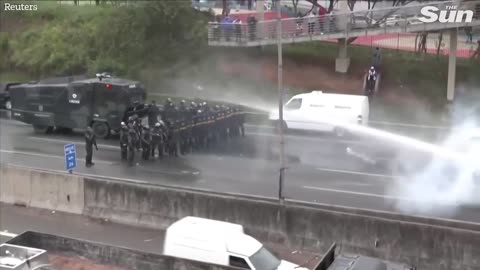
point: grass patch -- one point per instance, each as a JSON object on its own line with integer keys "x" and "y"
{"x": 14, "y": 77}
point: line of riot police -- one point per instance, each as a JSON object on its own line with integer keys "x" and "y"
{"x": 180, "y": 129}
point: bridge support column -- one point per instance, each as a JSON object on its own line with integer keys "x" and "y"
{"x": 342, "y": 62}
{"x": 452, "y": 64}
{"x": 260, "y": 10}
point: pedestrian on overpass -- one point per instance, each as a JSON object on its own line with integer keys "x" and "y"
{"x": 90, "y": 141}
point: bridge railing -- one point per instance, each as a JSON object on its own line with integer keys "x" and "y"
{"x": 334, "y": 25}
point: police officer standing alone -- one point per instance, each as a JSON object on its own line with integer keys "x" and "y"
{"x": 90, "y": 141}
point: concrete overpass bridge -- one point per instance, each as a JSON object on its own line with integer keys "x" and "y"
{"x": 346, "y": 25}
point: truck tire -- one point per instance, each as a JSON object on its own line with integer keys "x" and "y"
{"x": 8, "y": 105}
{"x": 101, "y": 130}
{"x": 42, "y": 129}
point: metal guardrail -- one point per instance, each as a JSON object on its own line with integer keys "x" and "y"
{"x": 338, "y": 25}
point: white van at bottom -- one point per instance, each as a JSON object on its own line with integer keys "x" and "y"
{"x": 221, "y": 243}
{"x": 318, "y": 111}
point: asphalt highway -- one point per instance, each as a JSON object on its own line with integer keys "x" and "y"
{"x": 319, "y": 169}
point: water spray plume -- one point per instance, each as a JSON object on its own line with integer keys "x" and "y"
{"x": 445, "y": 183}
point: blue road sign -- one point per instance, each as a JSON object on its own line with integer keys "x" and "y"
{"x": 70, "y": 156}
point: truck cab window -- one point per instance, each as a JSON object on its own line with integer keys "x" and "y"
{"x": 238, "y": 262}
{"x": 294, "y": 104}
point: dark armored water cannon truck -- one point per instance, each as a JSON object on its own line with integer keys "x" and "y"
{"x": 69, "y": 103}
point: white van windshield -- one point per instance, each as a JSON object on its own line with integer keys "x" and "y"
{"x": 294, "y": 104}
{"x": 264, "y": 260}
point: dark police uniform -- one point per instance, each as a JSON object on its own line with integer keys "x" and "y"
{"x": 132, "y": 140}
{"x": 146, "y": 143}
{"x": 153, "y": 113}
{"x": 157, "y": 140}
{"x": 124, "y": 142}
{"x": 90, "y": 141}
{"x": 172, "y": 139}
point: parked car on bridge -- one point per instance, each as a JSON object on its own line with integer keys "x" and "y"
{"x": 362, "y": 22}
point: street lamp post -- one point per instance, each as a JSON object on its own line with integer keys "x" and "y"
{"x": 280, "y": 103}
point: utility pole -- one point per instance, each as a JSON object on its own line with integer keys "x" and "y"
{"x": 280, "y": 104}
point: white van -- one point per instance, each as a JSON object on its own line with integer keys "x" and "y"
{"x": 222, "y": 243}
{"x": 320, "y": 111}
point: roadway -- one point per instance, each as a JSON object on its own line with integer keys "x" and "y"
{"x": 15, "y": 220}
{"x": 319, "y": 169}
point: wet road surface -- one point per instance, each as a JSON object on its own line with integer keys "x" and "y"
{"x": 319, "y": 168}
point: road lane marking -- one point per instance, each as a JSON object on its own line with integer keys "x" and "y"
{"x": 349, "y": 183}
{"x": 374, "y": 195}
{"x": 365, "y": 194}
{"x": 359, "y": 173}
{"x": 385, "y": 123}
{"x": 7, "y": 234}
{"x": 305, "y": 138}
{"x": 67, "y": 142}
{"x": 48, "y": 156}
{"x": 409, "y": 125}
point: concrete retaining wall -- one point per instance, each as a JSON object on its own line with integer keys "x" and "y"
{"x": 42, "y": 189}
{"x": 389, "y": 236}
{"x": 426, "y": 246}
{"x": 108, "y": 255}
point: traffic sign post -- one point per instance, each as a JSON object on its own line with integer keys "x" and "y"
{"x": 70, "y": 157}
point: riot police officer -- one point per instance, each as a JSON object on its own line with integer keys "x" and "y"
{"x": 138, "y": 128}
{"x": 90, "y": 141}
{"x": 157, "y": 140}
{"x": 168, "y": 109}
{"x": 124, "y": 141}
{"x": 183, "y": 106}
{"x": 172, "y": 139}
{"x": 153, "y": 113}
{"x": 132, "y": 143}
{"x": 146, "y": 142}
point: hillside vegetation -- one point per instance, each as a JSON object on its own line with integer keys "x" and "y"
{"x": 125, "y": 40}
{"x": 162, "y": 41}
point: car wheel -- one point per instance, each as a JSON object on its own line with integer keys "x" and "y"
{"x": 101, "y": 130}
{"x": 8, "y": 105}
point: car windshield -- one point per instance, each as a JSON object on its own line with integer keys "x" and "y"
{"x": 264, "y": 260}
